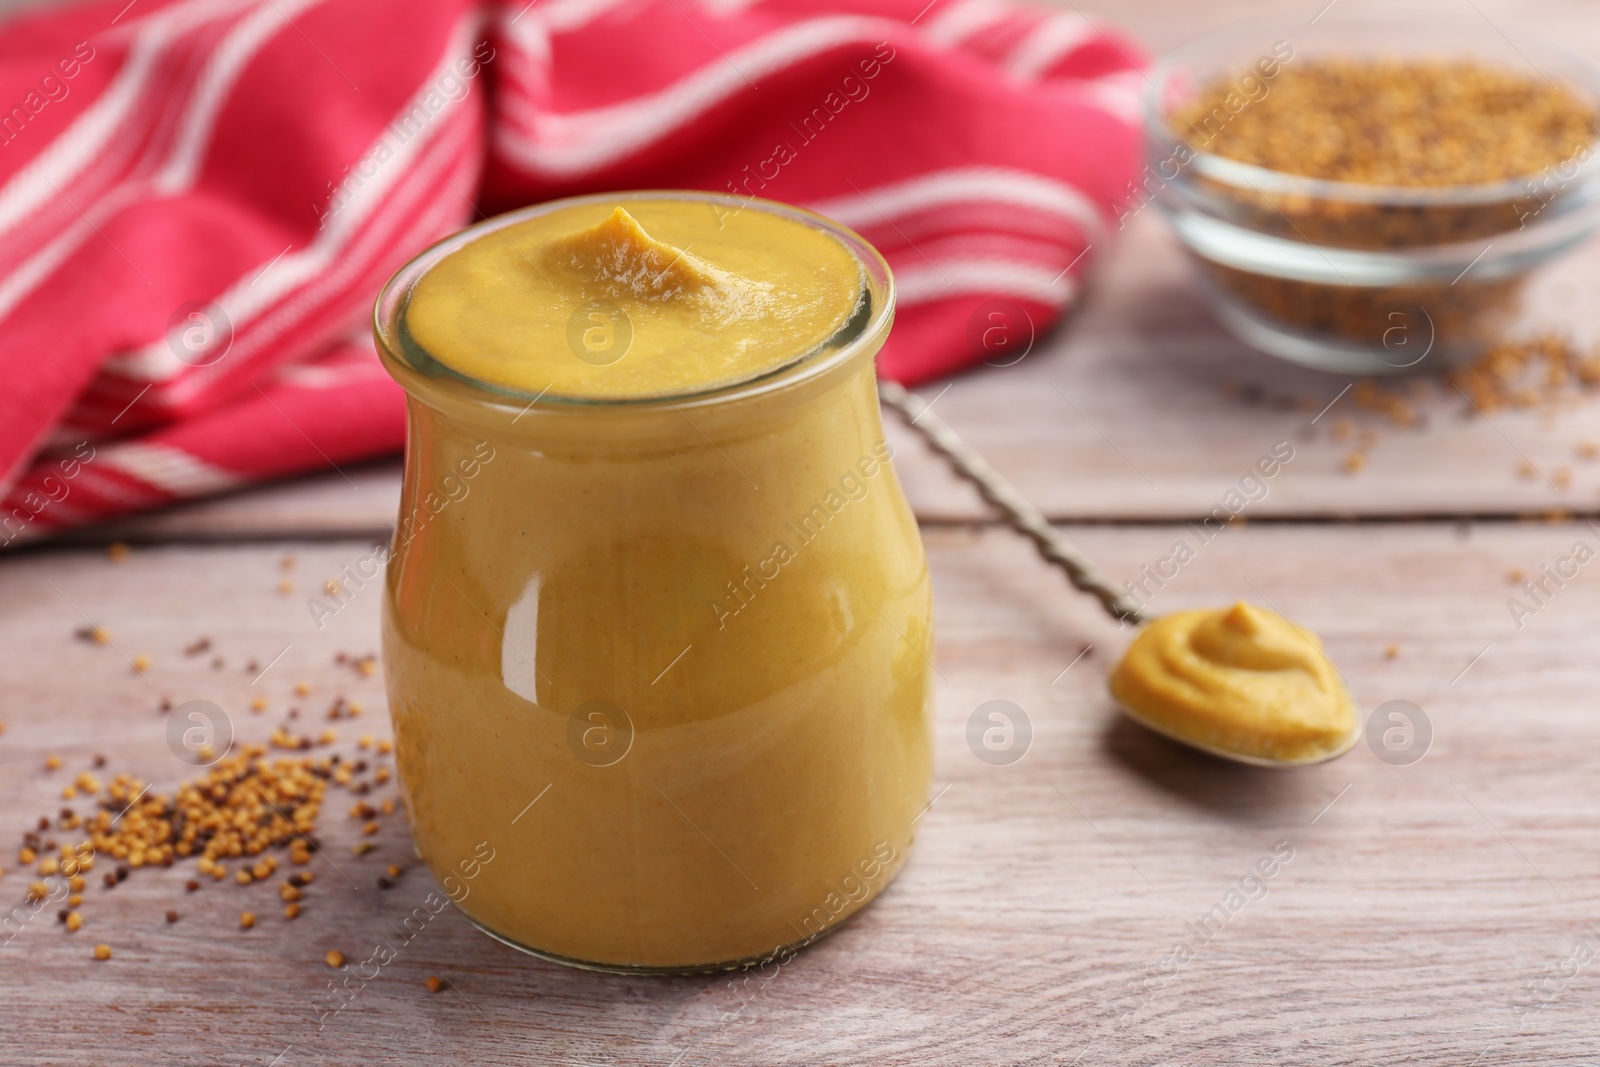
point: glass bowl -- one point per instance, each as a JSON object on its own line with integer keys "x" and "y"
{"x": 1351, "y": 277}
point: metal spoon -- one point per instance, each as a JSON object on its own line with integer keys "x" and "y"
{"x": 1027, "y": 520}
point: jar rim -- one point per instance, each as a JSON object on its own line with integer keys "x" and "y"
{"x": 394, "y": 298}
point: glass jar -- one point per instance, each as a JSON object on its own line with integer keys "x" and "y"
{"x": 659, "y": 670}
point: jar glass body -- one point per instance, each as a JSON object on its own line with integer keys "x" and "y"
{"x": 659, "y": 673}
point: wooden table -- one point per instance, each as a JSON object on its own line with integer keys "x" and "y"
{"x": 1435, "y": 912}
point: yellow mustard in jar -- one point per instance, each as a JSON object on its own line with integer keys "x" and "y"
{"x": 658, "y": 297}
{"x": 657, "y": 626}
{"x": 1242, "y": 680}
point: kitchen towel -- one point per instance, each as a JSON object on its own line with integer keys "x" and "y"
{"x": 199, "y": 199}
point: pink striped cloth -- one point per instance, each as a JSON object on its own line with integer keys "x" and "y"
{"x": 199, "y": 199}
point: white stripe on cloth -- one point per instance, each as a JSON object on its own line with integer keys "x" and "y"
{"x": 125, "y": 495}
{"x": 573, "y": 142}
{"x": 221, "y": 73}
{"x": 940, "y": 280}
{"x": 964, "y": 185}
{"x": 359, "y": 197}
{"x": 563, "y": 16}
{"x": 1046, "y": 46}
{"x": 530, "y": 25}
{"x": 323, "y": 376}
{"x": 85, "y": 139}
{"x": 430, "y": 220}
{"x": 964, "y": 18}
{"x": 1120, "y": 95}
{"x": 169, "y": 469}
{"x": 54, "y": 516}
{"x": 57, "y": 515}
{"x": 44, "y": 262}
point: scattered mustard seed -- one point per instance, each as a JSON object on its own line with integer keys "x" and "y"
{"x": 291, "y": 911}
{"x": 433, "y": 984}
{"x": 92, "y": 634}
{"x": 334, "y": 958}
{"x": 74, "y": 921}
{"x": 247, "y": 920}
{"x": 102, "y": 952}
{"x": 117, "y": 551}
{"x": 52, "y": 763}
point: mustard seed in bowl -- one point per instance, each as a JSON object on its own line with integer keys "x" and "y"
{"x": 1367, "y": 198}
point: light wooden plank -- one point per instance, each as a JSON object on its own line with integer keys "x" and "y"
{"x": 1414, "y": 911}
{"x": 1143, "y": 407}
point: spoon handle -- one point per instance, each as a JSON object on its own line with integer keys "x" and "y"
{"x": 1020, "y": 515}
